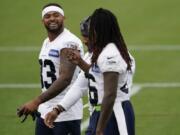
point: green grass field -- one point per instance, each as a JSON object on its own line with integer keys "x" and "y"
{"x": 151, "y": 30}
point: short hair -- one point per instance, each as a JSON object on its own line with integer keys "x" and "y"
{"x": 104, "y": 29}
{"x": 84, "y": 26}
{"x": 52, "y": 4}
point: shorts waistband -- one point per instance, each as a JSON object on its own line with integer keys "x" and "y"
{"x": 97, "y": 108}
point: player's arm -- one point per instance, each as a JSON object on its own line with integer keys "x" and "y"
{"x": 65, "y": 77}
{"x": 110, "y": 91}
{"x": 78, "y": 89}
{"x": 74, "y": 56}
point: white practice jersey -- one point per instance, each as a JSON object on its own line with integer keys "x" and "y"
{"x": 109, "y": 60}
{"x": 49, "y": 59}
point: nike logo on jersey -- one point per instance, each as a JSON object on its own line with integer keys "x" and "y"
{"x": 109, "y": 58}
{"x": 54, "y": 53}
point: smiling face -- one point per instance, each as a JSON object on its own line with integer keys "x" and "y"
{"x": 53, "y": 21}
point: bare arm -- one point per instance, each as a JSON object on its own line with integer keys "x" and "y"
{"x": 84, "y": 66}
{"x": 74, "y": 57}
{"x": 110, "y": 91}
{"x": 65, "y": 77}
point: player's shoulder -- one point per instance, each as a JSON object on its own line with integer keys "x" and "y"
{"x": 45, "y": 40}
{"x": 70, "y": 40}
{"x": 109, "y": 51}
{"x": 110, "y": 59}
{"x": 110, "y": 46}
{"x": 68, "y": 35}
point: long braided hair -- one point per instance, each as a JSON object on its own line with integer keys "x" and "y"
{"x": 104, "y": 29}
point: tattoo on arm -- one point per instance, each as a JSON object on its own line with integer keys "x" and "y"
{"x": 66, "y": 72}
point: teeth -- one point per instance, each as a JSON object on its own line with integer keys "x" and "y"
{"x": 52, "y": 24}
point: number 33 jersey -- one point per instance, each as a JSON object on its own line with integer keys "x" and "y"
{"x": 110, "y": 60}
{"x": 49, "y": 59}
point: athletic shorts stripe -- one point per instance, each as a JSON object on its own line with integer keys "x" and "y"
{"x": 121, "y": 122}
{"x": 129, "y": 117}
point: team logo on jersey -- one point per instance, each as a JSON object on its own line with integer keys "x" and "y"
{"x": 54, "y": 53}
{"x": 72, "y": 45}
{"x": 95, "y": 68}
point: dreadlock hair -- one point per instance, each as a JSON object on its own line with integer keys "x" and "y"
{"x": 52, "y": 4}
{"x": 104, "y": 29}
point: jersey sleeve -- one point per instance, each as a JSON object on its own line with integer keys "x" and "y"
{"x": 110, "y": 60}
{"x": 74, "y": 44}
{"x": 78, "y": 89}
{"x": 133, "y": 64}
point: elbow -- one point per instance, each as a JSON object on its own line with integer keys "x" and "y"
{"x": 67, "y": 80}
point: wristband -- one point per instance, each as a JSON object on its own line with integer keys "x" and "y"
{"x": 58, "y": 109}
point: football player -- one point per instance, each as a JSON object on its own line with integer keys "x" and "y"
{"x": 57, "y": 75}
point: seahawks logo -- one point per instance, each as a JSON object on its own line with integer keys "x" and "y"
{"x": 54, "y": 53}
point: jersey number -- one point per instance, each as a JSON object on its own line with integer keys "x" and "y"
{"x": 50, "y": 73}
{"x": 124, "y": 88}
{"x": 93, "y": 95}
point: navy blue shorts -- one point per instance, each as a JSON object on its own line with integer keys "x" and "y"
{"x": 61, "y": 128}
{"x": 112, "y": 127}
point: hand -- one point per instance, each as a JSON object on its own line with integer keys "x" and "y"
{"x": 50, "y": 118}
{"x": 99, "y": 132}
{"x": 74, "y": 56}
{"x": 33, "y": 115}
{"x": 28, "y": 108}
